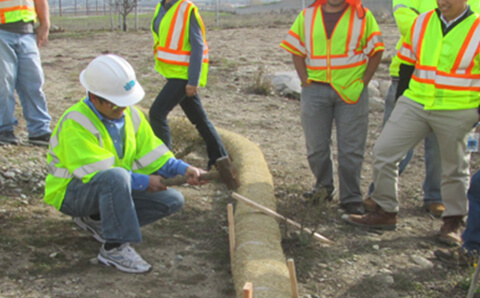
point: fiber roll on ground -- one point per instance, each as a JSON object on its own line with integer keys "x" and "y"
{"x": 258, "y": 256}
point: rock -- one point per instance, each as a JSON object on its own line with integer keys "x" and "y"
{"x": 421, "y": 261}
{"x": 287, "y": 84}
{"x": 376, "y": 104}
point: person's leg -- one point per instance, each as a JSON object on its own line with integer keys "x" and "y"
{"x": 29, "y": 87}
{"x": 317, "y": 107}
{"x": 404, "y": 129}
{"x": 471, "y": 235}
{"x": 8, "y": 75}
{"x": 171, "y": 94}
{"x": 107, "y": 194}
{"x": 433, "y": 171}
{"x": 351, "y": 121}
{"x": 151, "y": 206}
{"x": 192, "y": 106}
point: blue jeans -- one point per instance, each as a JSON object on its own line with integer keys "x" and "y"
{"x": 122, "y": 210}
{"x": 433, "y": 166}
{"x": 173, "y": 93}
{"x": 471, "y": 235}
{"x": 21, "y": 70}
{"x": 320, "y": 108}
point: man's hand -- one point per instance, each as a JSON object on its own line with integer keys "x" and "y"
{"x": 192, "y": 174}
{"x": 41, "y": 33}
{"x": 191, "y": 90}
{"x": 155, "y": 183}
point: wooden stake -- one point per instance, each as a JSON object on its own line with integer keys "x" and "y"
{"x": 274, "y": 214}
{"x": 231, "y": 233}
{"x": 247, "y": 291}
{"x": 293, "y": 278}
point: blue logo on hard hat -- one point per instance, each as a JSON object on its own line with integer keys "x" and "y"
{"x": 129, "y": 85}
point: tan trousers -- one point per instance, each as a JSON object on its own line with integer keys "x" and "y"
{"x": 407, "y": 126}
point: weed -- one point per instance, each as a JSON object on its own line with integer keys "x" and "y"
{"x": 261, "y": 84}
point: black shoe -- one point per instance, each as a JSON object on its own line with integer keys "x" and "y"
{"x": 353, "y": 208}
{"x": 318, "y": 195}
{"x": 42, "y": 140}
{"x": 8, "y": 138}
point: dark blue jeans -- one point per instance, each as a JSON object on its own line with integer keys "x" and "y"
{"x": 471, "y": 235}
{"x": 173, "y": 93}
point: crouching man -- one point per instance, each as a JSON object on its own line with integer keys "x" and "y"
{"x": 105, "y": 164}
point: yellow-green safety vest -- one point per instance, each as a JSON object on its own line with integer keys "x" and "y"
{"x": 17, "y": 10}
{"x": 340, "y": 60}
{"x": 447, "y": 68}
{"x": 80, "y": 146}
{"x": 171, "y": 46}
{"x": 405, "y": 12}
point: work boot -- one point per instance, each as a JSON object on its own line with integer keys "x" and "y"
{"x": 450, "y": 230}
{"x": 353, "y": 208}
{"x": 435, "y": 209}
{"x": 377, "y": 219}
{"x": 369, "y": 204}
{"x": 457, "y": 256}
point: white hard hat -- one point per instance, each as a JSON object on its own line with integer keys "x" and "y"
{"x": 112, "y": 78}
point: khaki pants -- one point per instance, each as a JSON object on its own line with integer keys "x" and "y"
{"x": 406, "y": 127}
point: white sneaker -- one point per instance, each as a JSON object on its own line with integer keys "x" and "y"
{"x": 124, "y": 258}
{"x": 92, "y": 226}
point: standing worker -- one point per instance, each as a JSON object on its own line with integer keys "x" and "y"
{"x": 104, "y": 164}
{"x": 21, "y": 69}
{"x": 336, "y": 47}
{"x": 181, "y": 56}
{"x": 440, "y": 64}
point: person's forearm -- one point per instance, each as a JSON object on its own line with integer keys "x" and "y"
{"x": 42, "y": 10}
{"x": 372, "y": 66}
{"x": 301, "y": 68}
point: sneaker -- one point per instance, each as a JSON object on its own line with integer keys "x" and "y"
{"x": 92, "y": 226}
{"x": 457, "y": 257}
{"x": 353, "y": 208}
{"x": 8, "y": 138}
{"x": 318, "y": 195}
{"x": 435, "y": 209}
{"x": 42, "y": 140}
{"x": 450, "y": 230}
{"x": 124, "y": 258}
{"x": 377, "y": 219}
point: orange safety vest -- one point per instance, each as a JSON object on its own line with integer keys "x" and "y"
{"x": 447, "y": 68}
{"x": 340, "y": 60}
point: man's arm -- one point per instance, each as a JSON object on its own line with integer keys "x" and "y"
{"x": 43, "y": 15}
{"x": 301, "y": 68}
{"x": 372, "y": 66}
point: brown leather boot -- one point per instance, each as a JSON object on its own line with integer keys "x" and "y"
{"x": 377, "y": 219}
{"x": 369, "y": 204}
{"x": 450, "y": 230}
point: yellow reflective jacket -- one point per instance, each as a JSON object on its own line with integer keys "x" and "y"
{"x": 17, "y": 10}
{"x": 340, "y": 60}
{"x": 447, "y": 68}
{"x": 80, "y": 146}
{"x": 171, "y": 46}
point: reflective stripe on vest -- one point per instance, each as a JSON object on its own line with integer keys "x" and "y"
{"x": 459, "y": 77}
{"x": 83, "y": 121}
{"x": 349, "y": 59}
{"x": 150, "y": 157}
{"x": 17, "y": 10}
{"x": 172, "y": 52}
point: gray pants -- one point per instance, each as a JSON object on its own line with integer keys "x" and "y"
{"x": 406, "y": 127}
{"x": 320, "y": 107}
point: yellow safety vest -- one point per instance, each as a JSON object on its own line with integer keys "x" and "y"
{"x": 172, "y": 47}
{"x": 80, "y": 146}
{"x": 17, "y": 10}
{"x": 447, "y": 68}
{"x": 340, "y": 60}
{"x": 405, "y": 12}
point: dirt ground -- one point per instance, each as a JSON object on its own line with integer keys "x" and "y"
{"x": 43, "y": 254}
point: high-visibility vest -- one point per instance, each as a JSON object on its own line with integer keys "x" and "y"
{"x": 405, "y": 12}
{"x": 447, "y": 68}
{"x": 80, "y": 146}
{"x": 17, "y": 10}
{"x": 340, "y": 60}
{"x": 171, "y": 45}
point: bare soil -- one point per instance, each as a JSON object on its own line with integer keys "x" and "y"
{"x": 43, "y": 254}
